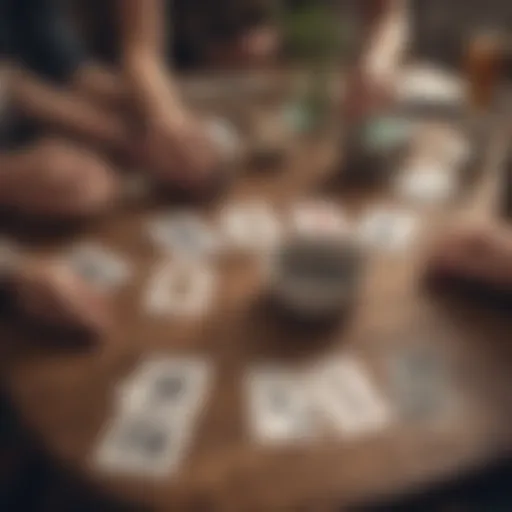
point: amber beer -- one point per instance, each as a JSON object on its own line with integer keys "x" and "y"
{"x": 484, "y": 63}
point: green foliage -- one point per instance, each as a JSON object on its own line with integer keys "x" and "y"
{"x": 313, "y": 32}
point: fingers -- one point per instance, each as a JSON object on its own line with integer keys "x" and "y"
{"x": 51, "y": 294}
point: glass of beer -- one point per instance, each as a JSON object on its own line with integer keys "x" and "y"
{"x": 484, "y": 60}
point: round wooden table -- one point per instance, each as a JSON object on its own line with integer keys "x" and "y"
{"x": 67, "y": 396}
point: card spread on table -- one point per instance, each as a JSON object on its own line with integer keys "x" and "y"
{"x": 421, "y": 381}
{"x": 426, "y": 183}
{"x": 279, "y": 406}
{"x": 348, "y": 399}
{"x": 98, "y": 265}
{"x": 389, "y": 229}
{"x": 249, "y": 226}
{"x": 155, "y": 422}
{"x": 165, "y": 386}
{"x": 183, "y": 233}
{"x": 141, "y": 446}
{"x": 318, "y": 217}
{"x": 180, "y": 288}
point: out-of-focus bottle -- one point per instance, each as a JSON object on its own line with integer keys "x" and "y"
{"x": 484, "y": 62}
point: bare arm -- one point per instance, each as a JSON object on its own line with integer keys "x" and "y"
{"x": 388, "y": 42}
{"x": 67, "y": 111}
{"x": 143, "y": 35}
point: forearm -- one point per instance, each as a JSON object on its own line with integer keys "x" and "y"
{"x": 150, "y": 85}
{"x": 388, "y": 41}
{"x": 143, "y": 47}
{"x": 67, "y": 111}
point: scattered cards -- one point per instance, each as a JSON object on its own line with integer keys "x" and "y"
{"x": 180, "y": 288}
{"x": 279, "y": 406}
{"x": 250, "y": 227}
{"x": 388, "y": 229}
{"x": 99, "y": 266}
{"x": 347, "y": 398}
{"x": 184, "y": 233}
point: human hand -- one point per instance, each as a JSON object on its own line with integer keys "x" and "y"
{"x": 178, "y": 150}
{"x": 365, "y": 96}
{"x": 480, "y": 252}
{"x": 49, "y": 293}
{"x": 57, "y": 179}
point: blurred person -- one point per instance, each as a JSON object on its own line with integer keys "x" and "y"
{"x": 225, "y": 33}
{"x": 56, "y": 83}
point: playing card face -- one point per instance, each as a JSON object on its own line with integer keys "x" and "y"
{"x": 388, "y": 229}
{"x": 180, "y": 288}
{"x": 99, "y": 266}
{"x": 249, "y": 227}
{"x": 347, "y": 398}
{"x": 141, "y": 446}
{"x": 420, "y": 380}
{"x": 319, "y": 218}
{"x": 279, "y": 407}
{"x": 185, "y": 234}
{"x": 164, "y": 387}
{"x": 426, "y": 184}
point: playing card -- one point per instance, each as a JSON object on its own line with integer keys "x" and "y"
{"x": 430, "y": 84}
{"x": 279, "y": 406}
{"x": 420, "y": 380}
{"x": 167, "y": 386}
{"x": 319, "y": 218}
{"x": 347, "y": 399}
{"x": 249, "y": 227}
{"x": 183, "y": 233}
{"x": 180, "y": 288}
{"x": 138, "y": 445}
{"x": 426, "y": 184}
{"x": 98, "y": 265}
{"x": 388, "y": 229}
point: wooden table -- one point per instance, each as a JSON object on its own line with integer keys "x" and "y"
{"x": 67, "y": 397}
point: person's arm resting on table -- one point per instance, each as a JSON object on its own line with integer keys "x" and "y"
{"x": 175, "y": 145}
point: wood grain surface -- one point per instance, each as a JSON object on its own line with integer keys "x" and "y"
{"x": 67, "y": 396}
